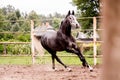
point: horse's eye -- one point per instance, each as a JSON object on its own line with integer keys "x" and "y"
{"x": 65, "y": 21}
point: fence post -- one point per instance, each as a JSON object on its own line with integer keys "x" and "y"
{"x": 5, "y": 49}
{"x": 94, "y": 40}
{"x": 32, "y": 42}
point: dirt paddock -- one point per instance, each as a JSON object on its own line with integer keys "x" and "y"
{"x": 44, "y": 72}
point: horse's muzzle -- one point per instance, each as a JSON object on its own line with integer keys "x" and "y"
{"x": 78, "y": 26}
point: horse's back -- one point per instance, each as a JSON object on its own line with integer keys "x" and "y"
{"x": 52, "y": 41}
{"x": 48, "y": 39}
{"x": 49, "y": 34}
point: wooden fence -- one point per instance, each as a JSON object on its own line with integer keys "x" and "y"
{"x": 36, "y": 44}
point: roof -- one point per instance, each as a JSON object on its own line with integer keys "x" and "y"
{"x": 85, "y": 36}
{"x": 40, "y": 30}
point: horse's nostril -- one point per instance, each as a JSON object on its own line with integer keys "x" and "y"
{"x": 77, "y": 26}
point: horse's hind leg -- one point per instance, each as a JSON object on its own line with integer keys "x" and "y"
{"x": 56, "y": 57}
{"x": 53, "y": 58}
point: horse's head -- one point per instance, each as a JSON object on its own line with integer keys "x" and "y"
{"x": 71, "y": 19}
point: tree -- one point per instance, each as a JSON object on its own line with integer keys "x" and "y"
{"x": 56, "y": 22}
{"x": 3, "y": 25}
{"x": 25, "y": 26}
{"x": 11, "y": 14}
{"x": 1, "y": 19}
{"x": 57, "y": 15}
{"x": 15, "y": 27}
{"x": 34, "y": 16}
{"x": 87, "y": 8}
{"x": 12, "y": 17}
{"x": 8, "y": 9}
{"x": 18, "y": 13}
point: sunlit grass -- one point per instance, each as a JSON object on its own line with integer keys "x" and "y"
{"x": 27, "y": 60}
{"x": 16, "y": 60}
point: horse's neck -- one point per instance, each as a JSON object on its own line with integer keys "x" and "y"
{"x": 65, "y": 30}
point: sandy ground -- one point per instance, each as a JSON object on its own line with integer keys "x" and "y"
{"x": 44, "y": 72}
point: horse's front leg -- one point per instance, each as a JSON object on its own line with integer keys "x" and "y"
{"x": 75, "y": 49}
{"x": 78, "y": 53}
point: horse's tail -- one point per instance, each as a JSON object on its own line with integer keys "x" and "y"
{"x": 37, "y": 45}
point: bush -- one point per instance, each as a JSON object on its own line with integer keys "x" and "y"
{"x": 1, "y": 49}
{"x": 6, "y": 37}
{"x": 88, "y": 51}
{"x": 88, "y": 48}
{"x": 17, "y": 49}
{"x": 23, "y": 37}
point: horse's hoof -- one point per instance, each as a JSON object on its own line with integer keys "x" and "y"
{"x": 55, "y": 69}
{"x": 69, "y": 69}
{"x": 91, "y": 69}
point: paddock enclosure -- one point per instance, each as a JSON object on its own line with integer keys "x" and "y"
{"x": 41, "y": 68}
{"x": 35, "y": 46}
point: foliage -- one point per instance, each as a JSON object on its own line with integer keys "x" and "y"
{"x": 18, "y": 15}
{"x": 23, "y": 37}
{"x": 12, "y": 17}
{"x": 15, "y": 27}
{"x": 87, "y": 8}
{"x": 88, "y": 49}
{"x": 25, "y": 26}
{"x": 14, "y": 21}
{"x": 18, "y": 22}
{"x": 15, "y": 37}
{"x": 5, "y": 37}
{"x": 1, "y": 49}
{"x": 33, "y": 16}
{"x": 1, "y": 19}
{"x": 56, "y": 23}
{"x": 23, "y": 49}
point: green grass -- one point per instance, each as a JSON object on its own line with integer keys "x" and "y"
{"x": 16, "y": 60}
{"x": 27, "y": 60}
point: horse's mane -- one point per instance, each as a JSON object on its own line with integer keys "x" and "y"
{"x": 65, "y": 27}
{"x": 61, "y": 24}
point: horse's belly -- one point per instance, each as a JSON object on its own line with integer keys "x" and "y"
{"x": 52, "y": 44}
{"x": 50, "y": 41}
{"x": 55, "y": 46}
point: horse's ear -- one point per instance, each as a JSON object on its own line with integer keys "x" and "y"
{"x": 73, "y": 13}
{"x": 69, "y": 12}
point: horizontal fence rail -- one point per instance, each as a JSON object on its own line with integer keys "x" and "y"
{"x": 89, "y": 56}
{"x": 15, "y": 42}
